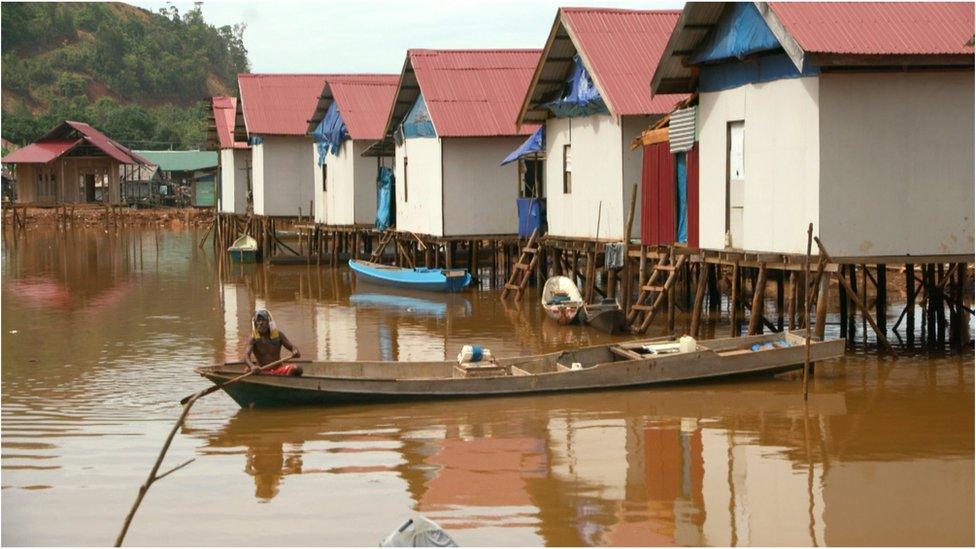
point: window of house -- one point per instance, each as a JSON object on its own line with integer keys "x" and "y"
{"x": 567, "y": 169}
{"x": 325, "y": 177}
{"x": 406, "y": 192}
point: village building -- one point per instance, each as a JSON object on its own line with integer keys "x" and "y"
{"x": 855, "y": 117}
{"x": 350, "y": 116}
{"x": 225, "y": 134}
{"x": 276, "y": 109}
{"x": 72, "y": 164}
{"x": 453, "y": 121}
{"x": 190, "y": 174}
{"x": 589, "y": 92}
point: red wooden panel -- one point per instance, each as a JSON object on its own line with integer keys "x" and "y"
{"x": 657, "y": 203}
{"x": 692, "y": 188}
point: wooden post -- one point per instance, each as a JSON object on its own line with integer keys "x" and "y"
{"x": 806, "y": 314}
{"x": 910, "y": 305}
{"x": 696, "y": 309}
{"x": 881, "y": 297}
{"x": 929, "y": 278}
{"x": 940, "y": 304}
{"x": 850, "y": 292}
{"x": 822, "y": 300}
{"x": 734, "y": 302}
{"x": 852, "y": 311}
{"x": 714, "y": 296}
{"x": 864, "y": 299}
{"x": 779, "y": 300}
{"x": 758, "y": 301}
{"x": 671, "y": 305}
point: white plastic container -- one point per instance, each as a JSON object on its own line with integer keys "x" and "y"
{"x": 687, "y": 344}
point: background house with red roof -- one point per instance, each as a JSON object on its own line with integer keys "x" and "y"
{"x": 588, "y": 90}
{"x": 225, "y": 134}
{"x": 72, "y": 164}
{"x": 453, "y": 121}
{"x": 350, "y": 116}
{"x": 276, "y": 110}
{"x": 857, "y": 117}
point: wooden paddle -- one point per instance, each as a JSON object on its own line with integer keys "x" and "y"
{"x": 213, "y": 388}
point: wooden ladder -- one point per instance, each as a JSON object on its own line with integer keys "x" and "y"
{"x": 641, "y": 313}
{"x": 523, "y": 268}
{"x": 378, "y": 251}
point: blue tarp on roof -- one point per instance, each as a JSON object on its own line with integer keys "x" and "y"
{"x": 741, "y": 32}
{"x": 417, "y": 123}
{"x": 330, "y": 133}
{"x": 580, "y": 96}
{"x": 534, "y": 144}
{"x": 765, "y": 68}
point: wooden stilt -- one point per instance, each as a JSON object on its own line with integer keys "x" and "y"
{"x": 881, "y": 297}
{"x": 823, "y": 297}
{"x": 696, "y": 308}
{"x": 758, "y": 301}
{"x": 779, "y": 300}
{"x": 910, "y": 305}
{"x": 735, "y": 330}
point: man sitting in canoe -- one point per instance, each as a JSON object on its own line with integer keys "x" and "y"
{"x": 265, "y": 347}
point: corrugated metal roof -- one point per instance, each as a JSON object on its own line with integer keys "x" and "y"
{"x": 879, "y": 28}
{"x": 74, "y": 132}
{"x": 279, "y": 104}
{"x": 364, "y": 102}
{"x": 181, "y": 161}
{"x": 224, "y": 117}
{"x": 41, "y": 153}
{"x": 621, "y": 49}
{"x": 469, "y": 93}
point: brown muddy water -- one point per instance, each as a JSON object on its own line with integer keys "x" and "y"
{"x": 101, "y": 331}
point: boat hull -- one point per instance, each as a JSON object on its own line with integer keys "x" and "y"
{"x": 430, "y": 280}
{"x": 244, "y": 256}
{"x": 699, "y": 366}
{"x": 611, "y": 320}
{"x": 562, "y": 314}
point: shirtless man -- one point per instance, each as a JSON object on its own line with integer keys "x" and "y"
{"x": 265, "y": 347}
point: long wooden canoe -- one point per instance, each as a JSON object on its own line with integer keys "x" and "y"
{"x": 636, "y": 363}
{"x": 432, "y": 280}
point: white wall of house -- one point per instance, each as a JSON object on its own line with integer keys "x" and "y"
{"x": 234, "y": 168}
{"x": 782, "y": 163}
{"x": 350, "y": 192}
{"x": 896, "y": 163}
{"x": 597, "y": 177}
{"x": 419, "y": 206}
{"x": 283, "y": 172}
{"x": 633, "y": 166}
{"x": 479, "y": 193}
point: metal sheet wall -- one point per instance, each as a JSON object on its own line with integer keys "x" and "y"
{"x": 658, "y": 217}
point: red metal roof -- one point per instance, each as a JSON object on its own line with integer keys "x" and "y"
{"x": 279, "y": 104}
{"x": 879, "y": 28}
{"x": 475, "y": 92}
{"x": 62, "y": 139}
{"x": 41, "y": 153}
{"x": 364, "y": 102}
{"x": 225, "y": 118}
{"x": 621, "y": 49}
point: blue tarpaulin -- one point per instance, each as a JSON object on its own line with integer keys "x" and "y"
{"x": 529, "y": 215}
{"x": 580, "y": 96}
{"x": 534, "y": 144}
{"x": 330, "y": 133}
{"x": 681, "y": 174}
{"x": 417, "y": 123}
{"x": 752, "y": 71}
{"x": 384, "y": 198}
{"x": 741, "y": 32}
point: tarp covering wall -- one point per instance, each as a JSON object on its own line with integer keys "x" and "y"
{"x": 740, "y": 33}
{"x": 681, "y": 194}
{"x": 330, "y": 133}
{"x": 529, "y": 216}
{"x": 766, "y": 68}
{"x": 417, "y": 123}
{"x": 580, "y": 96}
{"x": 385, "y": 215}
{"x": 534, "y": 144}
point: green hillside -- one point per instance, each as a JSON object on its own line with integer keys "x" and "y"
{"x": 141, "y": 77}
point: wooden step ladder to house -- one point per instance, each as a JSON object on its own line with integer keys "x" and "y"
{"x": 644, "y": 310}
{"x": 522, "y": 270}
{"x": 385, "y": 239}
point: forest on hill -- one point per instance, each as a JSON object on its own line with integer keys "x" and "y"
{"x": 143, "y": 78}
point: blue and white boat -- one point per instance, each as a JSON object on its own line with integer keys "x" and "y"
{"x": 432, "y": 280}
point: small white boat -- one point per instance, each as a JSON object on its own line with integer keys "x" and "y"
{"x": 561, "y": 300}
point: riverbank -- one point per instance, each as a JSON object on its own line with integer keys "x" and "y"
{"x": 90, "y": 215}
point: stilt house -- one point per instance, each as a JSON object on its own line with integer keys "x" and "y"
{"x": 276, "y": 110}
{"x": 453, "y": 121}
{"x": 855, "y": 117}
{"x": 72, "y": 164}
{"x": 234, "y": 155}
{"x": 588, "y": 91}
{"x": 350, "y": 116}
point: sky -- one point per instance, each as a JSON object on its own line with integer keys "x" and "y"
{"x": 348, "y": 36}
